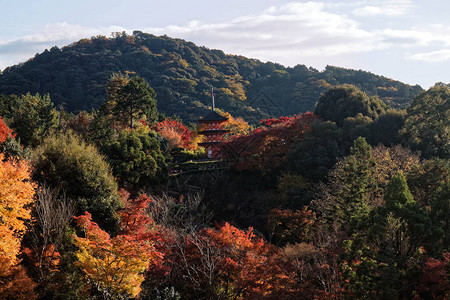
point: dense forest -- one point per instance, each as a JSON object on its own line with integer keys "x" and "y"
{"x": 349, "y": 200}
{"x": 182, "y": 74}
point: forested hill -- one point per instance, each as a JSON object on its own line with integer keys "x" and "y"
{"x": 182, "y": 73}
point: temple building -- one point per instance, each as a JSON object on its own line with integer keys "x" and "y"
{"x": 212, "y": 130}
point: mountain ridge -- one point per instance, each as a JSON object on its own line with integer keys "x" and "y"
{"x": 182, "y": 74}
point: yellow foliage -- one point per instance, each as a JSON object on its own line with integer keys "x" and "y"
{"x": 236, "y": 126}
{"x": 16, "y": 195}
{"x": 113, "y": 265}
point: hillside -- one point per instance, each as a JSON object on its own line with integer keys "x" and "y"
{"x": 182, "y": 73}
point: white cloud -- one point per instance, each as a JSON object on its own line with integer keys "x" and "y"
{"x": 385, "y": 8}
{"x": 432, "y": 57}
{"x": 293, "y": 31}
{"x": 313, "y": 33}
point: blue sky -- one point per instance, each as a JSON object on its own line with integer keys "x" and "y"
{"x": 404, "y": 40}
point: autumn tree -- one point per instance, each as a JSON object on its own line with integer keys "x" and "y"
{"x": 314, "y": 269}
{"x": 176, "y": 134}
{"x": 228, "y": 263}
{"x": 16, "y": 195}
{"x": 435, "y": 282}
{"x": 236, "y": 126}
{"x": 115, "y": 266}
{"x": 5, "y": 131}
{"x": 52, "y": 214}
{"x": 265, "y": 148}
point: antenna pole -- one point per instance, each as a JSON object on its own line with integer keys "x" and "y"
{"x": 212, "y": 95}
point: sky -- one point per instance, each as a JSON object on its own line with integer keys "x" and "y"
{"x": 404, "y": 40}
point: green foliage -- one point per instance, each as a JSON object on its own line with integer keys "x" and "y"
{"x": 315, "y": 154}
{"x": 136, "y": 158}
{"x": 135, "y": 100}
{"x": 33, "y": 118}
{"x": 427, "y": 126}
{"x": 182, "y": 73}
{"x": 385, "y": 129}
{"x": 294, "y": 191}
{"x": 8, "y": 106}
{"x": 425, "y": 179}
{"x": 384, "y": 256}
{"x": 67, "y": 162}
{"x": 342, "y": 102}
{"x": 355, "y": 180}
{"x": 440, "y": 213}
{"x": 13, "y": 150}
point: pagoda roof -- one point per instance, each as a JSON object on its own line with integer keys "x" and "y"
{"x": 218, "y": 131}
{"x": 213, "y": 116}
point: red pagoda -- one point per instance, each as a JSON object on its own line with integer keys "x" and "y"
{"x": 212, "y": 131}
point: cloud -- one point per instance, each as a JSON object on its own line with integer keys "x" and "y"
{"x": 432, "y": 57}
{"x": 294, "y": 31}
{"x": 385, "y": 8}
{"x": 58, "y": 34}
{"x": 314, "y": 33}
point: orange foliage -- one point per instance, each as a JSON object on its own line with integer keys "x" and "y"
{"x": 174, "y": 132}
{"x": 246, "y": 264}
{"x": 18, "y": 285}
{"x": 16, "y": 195}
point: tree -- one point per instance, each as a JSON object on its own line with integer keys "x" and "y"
{"x": 440, "y": 214}
{"x": 236, "y": 126}
{"x": 136, "y": 158}
{"x": 16, "y": 196}
{"x": 385, "y": 129}
{"x": 288, "y": 226}
{"x": 176, "y": 134}
{"x": 33, "y": 118}
{"x": 113, "y": 265}
{"x": 52, "y": 213}
{"x": 116, "y": 265}
{"x": 5, "y": 132}
{"x": 427, "y": 123}
{"x": 346, "y": 199}
{"x": 425, "y": 179}
{"x": 65, "y": 161}
{"x": 265, "y": 148}
{"x": 318, "y": 151}
{"x": 435, "y": 282}
{"x": 383, "y": 257}
{"x": 341, "y": 102}
{"x": 228, "y": 263}
{"x": 135, "y": 100}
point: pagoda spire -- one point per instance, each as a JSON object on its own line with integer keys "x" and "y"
{"x": 212, "y": 96}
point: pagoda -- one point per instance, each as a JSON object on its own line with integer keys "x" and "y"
{"x": 212, "y": 131}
